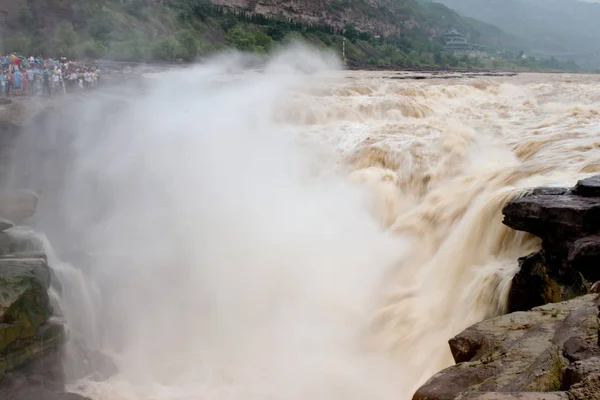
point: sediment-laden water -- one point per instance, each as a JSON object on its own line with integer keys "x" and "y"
{"x": 306, "y": 233}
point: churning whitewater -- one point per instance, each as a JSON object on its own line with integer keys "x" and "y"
{"x": 300, "y": 232}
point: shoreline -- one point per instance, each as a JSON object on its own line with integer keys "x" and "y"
{"x": 115, "y": 66}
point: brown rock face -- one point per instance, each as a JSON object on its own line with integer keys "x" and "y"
{"x": 383, "y": 17}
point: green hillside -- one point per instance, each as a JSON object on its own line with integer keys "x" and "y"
{"x": 382, "y": 34}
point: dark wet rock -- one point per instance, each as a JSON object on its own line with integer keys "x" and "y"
{"x": 589, "y": 187}
{"x": 517, "y": 354}
{"x": 532, "y": 286}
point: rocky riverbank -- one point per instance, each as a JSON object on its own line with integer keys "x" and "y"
{"x": 548, "y": 346}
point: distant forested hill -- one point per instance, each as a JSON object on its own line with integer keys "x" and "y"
{"x": 560, "y": 28}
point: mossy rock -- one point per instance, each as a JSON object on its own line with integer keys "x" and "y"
{"x": 24, "y": 301}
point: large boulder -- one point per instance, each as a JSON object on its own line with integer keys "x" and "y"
{"x": 521, "y": 355}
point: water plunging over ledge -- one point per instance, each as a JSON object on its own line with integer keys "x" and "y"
{"x": 294, "y": 235}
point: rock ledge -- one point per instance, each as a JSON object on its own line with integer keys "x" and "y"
{"x": 548, "y": 353}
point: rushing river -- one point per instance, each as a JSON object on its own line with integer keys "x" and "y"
{"x": 294, "y": 235}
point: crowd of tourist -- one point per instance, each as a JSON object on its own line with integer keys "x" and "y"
{"x": 31, "y": 76}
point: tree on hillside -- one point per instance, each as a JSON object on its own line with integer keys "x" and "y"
{"x": 65, "y": 40}
{"x": 167, "y": 48}
{"x": 26, "y": 16}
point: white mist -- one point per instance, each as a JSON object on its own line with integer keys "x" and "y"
{"x": 227, "y": 268}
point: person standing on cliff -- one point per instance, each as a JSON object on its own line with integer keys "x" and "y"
{"x": 46, "y": 79}
{"x": 17, "y": 82}
{"x": 25, "y": 83}
{"x": 31, "y": 79}
{"x": 7, "y": 79}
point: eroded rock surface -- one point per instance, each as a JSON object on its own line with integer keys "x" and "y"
{"x": 546, "y": 353}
